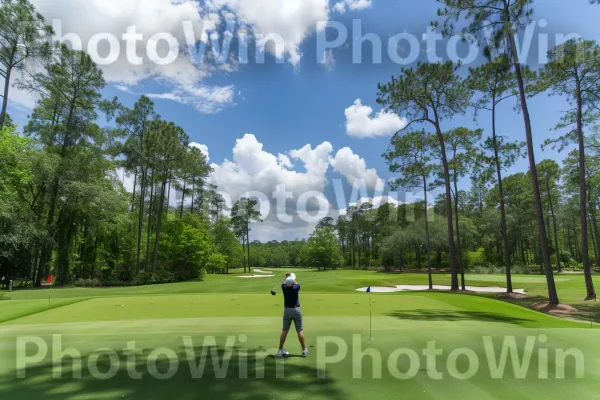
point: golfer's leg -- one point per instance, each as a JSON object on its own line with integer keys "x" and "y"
{"x": 299, "y": 324}
{"x": 282, "y": 339}
{"x": 287, "y": 323}
{"x": 301, "y": 339}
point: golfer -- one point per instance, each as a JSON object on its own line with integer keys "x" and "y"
{"x": 291, "y": 312}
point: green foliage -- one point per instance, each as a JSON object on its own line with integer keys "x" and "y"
{"x": 81, "y": 282}
{"x": 184, "y": 249}
{"x": 216, "y": 264}
{"x": 142, "y": 278}
{"x": 475, "y": 258}
{"x": 22, "y": 38}
{"x": 322, "y": 250}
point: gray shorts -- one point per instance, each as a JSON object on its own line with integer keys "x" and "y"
{"x": 292, "y": 314}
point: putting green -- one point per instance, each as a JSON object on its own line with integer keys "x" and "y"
{"x": 231, "y": 326}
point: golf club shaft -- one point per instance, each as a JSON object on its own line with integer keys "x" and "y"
{"x": 280, "y": 282}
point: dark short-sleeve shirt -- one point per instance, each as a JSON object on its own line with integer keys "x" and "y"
{"x": 290, "y": 295}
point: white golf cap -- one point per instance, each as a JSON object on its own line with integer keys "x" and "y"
{"x": 293, "y": 276}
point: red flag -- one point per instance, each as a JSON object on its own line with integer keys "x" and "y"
{"x": 49, "y": 279}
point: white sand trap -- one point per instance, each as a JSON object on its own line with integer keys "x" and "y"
{"x": 257, "y": 276}
{"x": 260, "y": 271}
{"x": 415, "y": 288}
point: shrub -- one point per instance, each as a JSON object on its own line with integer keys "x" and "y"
{"x": 142, "y": 278}
{"x": 108, "y": 282}
{"x": 475, "y": 258}
{"x": 217, "y": 263}
{"x": 163, "y": 276}
{"x": 22, "y": 284}
{"x": 487, "y": 269}
{"x": 87, "y": 283}
{"x": 3, "y": 296}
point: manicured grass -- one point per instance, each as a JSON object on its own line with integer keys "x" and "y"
{"x": 409, "y": 306}
{"x": 10, "y": 310}
{"x": 571, "y": 287}
{"x": 241, "y": 311}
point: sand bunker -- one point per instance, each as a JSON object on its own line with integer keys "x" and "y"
{"x": 257, "y": 276}
{"x": 415, "y": 288}
{"x": 260, "y": 271}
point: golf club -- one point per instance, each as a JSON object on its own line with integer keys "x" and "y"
{"x": 273, "y": 291}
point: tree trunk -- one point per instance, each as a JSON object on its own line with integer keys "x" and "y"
{"x": 427, "y": 239}
{"x": 577, "y": 249}
{"x": 552, "y": 293}
{"x": 509, "y": 287}
{"x": 95, "y": 256}
{"x": 193, "y": 195}
{"x": 47, "y": 248}
{"x": 556, "y": 245}
{"x": 594, "y": 223}
{"x": 133, "y": 195}
{"x": 594, "y": 247}
{"x": 149, "y": 229}
{"x": 6, "y": 89}
{"x": 140, "y": 221}
{"x": 158, "y": 225}
{"x": 587, "y": 269}
{"x": 459, "y": 246}
{"x": 451, "y": 247}
{"x": 248, "y": 246}
{"x": 182, "y": 200}
{"x": 168, "y": 195}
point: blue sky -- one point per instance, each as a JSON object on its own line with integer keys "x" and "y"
{"x": 289, "y": 105}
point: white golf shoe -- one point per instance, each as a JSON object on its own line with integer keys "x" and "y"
{"x": 282, "y": 353}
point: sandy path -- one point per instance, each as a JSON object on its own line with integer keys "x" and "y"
{"x": 406, "y": 288}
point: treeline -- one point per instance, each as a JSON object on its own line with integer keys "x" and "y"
{"x": 394, "y": 237}
{"x": 65, "y": 213}
{"x": 547, "y": 215}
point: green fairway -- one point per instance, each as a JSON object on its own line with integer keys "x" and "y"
{"x": 227, "y": 319}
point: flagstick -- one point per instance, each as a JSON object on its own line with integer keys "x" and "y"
{"x": 370, "y": 318}
{"x": 50, "y": 295}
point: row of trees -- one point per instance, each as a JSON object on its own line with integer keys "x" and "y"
{"x": 64, "y": 210}
{"x": 431, "y": 95}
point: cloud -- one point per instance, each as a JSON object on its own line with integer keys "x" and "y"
{"x": 353, "y": 5}
{"x": 285, "y": 161}
{"x": 377, "y": 201}
{"x": 256, "y": 172}
{"x": 359, "y": 122}
{"x": 292, "y": 20}
{"x": 78, "y": 22}
{"x": 328, "y": 59}
{"x": 292, "y": 201}
{"x": 205, "y": 99}
{"x": 203, "y": 148}
{"x": 354, "y": 168}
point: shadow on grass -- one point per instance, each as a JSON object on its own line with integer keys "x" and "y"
{"x": 590, "y": 310}
{"x": 457, "y": 315}
{"x": 251, "y": 374}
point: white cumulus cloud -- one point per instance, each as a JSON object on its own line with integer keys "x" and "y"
{"x": 360, "y": 123}
{"x": 203, "y": 148}
{"x": 291, "y": 20}
{"x": 352, "y": 5}
{"x": 184, "y": 22}
{"x": 254, "y": 170}
{"x": 354, "y": 168}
